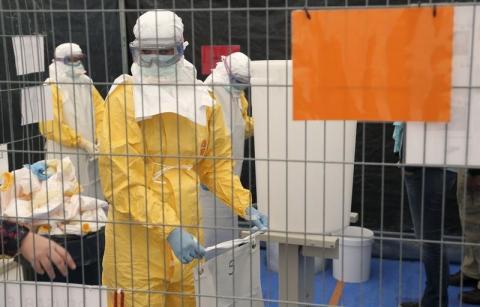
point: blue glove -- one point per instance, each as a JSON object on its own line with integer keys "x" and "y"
{"x": 39, "y": 169}
{"x": 185, "y": 246}
{"x": 257, "y": 218}
{"x": 398, "y": 136}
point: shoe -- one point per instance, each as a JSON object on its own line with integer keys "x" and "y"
{"x": 409, "y": 304}
{"x": 455, "y": 280}
{"x": 471, "y": 297}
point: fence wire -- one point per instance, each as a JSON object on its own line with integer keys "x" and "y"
{"x": 139, "y": 169}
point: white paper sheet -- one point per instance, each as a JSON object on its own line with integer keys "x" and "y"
{"x": 447, "y": 143}
{"x": 29, "y": 56}
{"x": 3, "y": 159}
{"x": 36, "y": 104}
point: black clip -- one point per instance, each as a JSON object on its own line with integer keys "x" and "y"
{"x": 434, "y": 11}
{"x": 307, "y": 12}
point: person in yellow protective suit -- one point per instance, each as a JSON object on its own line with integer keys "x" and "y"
{"x": 77, "y": 116}
{"x": 227, "y": 83}
{"x": 162, "y": 135}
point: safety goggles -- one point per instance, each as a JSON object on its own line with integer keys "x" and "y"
{"x": 145, "y": 54}
{"x": 72, "y": 59}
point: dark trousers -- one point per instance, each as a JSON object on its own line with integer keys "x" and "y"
{"x": 426, "y": 189}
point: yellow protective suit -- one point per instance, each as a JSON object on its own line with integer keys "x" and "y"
{"x": 150, "y": 176}
{"x": 248, "y": 120}
{"x": 62, "y": 135}
{"x": 58, "y": 131}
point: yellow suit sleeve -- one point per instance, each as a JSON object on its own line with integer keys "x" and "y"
{"x": 247, "y": 119}
{"x": 99, "y": 107}
{"x": 216, "y": 170}
{"x": 124, "y": 173}
{"x": 56, "y": 130}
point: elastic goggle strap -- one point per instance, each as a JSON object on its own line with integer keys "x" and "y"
{"x": 69, "y": 59}
{"x": 234, "y": 79}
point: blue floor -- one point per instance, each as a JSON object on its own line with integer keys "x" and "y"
{"x": 385, "y": 287}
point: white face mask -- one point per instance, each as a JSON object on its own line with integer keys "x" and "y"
{"x": 235, "y": 91}
{"x": 74, "y": 70}
{"x": 154, "y": 70}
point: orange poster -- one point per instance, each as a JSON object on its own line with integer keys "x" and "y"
{"x": 392, "y": 64}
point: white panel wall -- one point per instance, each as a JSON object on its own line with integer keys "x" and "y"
{"x": 303, "y": 182}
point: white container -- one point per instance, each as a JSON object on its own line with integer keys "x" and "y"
{"x": 355, "y": 254}
{"x": 304, "y": 169}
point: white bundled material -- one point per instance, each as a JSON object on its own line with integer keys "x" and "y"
{"x": 55, "y": 204}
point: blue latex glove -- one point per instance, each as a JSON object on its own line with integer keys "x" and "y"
{"x": 185, "y": 246}
{"x": 39, "y": 169}
{"x": 398, "y": 136}
{"x": 258, "y": 219}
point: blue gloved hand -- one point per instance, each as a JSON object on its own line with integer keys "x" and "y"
{"x": 39, "y": 169}
{"x": 257, "y": 218}
{"x": 398, "y": 136}
{"x": 185, "y": 246}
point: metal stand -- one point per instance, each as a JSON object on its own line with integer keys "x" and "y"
{"x": 296, "y": 274}
{"x": 296, "y": 267}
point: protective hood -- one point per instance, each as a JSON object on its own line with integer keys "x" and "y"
{"x": 238, "y": 68}
{"x": 76, "y": 97}
{"x": 62, "y": 72}
{"x": 218, "y": 82}
{"x": 238, "y": 64}
{"x": 160, "y": 27}
{"x": 219, "y": 75}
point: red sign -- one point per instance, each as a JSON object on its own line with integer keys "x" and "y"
{"x": 211, "y": 55}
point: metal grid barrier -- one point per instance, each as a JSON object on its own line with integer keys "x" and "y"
{"x": 158, "y": 171}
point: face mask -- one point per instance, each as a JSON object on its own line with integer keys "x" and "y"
{"x": 236, "y": 88}
{"x": 75, "y": 69}
{"x": 240, "y": 86}
{"x": 154, "y": 70}
{"x": 147, "y": 60}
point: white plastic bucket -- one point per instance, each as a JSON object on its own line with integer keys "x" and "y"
{"x": 355, "y": 254}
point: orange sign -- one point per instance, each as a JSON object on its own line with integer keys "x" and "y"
{"x": 392, "y": 64}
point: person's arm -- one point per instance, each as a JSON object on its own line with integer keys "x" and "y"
{"x": 39, "y": 251}
{"x": 122, "y": 167}
{"x": 11, "y": 234}
{"x": 216, "y": 170}
{"x": 249, "y": 123}
{"x": 56, "y": 130}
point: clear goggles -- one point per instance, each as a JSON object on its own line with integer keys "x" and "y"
{"x": 235, "y": 80}
{"x": 72, "y": 59}
{"x": 147, "y": 54}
